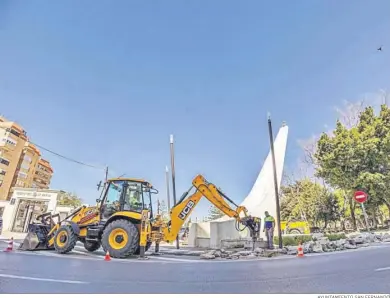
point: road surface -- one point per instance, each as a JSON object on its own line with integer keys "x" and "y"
{"x": 366, "y": 270}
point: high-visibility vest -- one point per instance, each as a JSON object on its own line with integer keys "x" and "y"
{"x": 268, "y": 221}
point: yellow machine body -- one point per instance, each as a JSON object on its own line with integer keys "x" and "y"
{"x": 128, "y": 226}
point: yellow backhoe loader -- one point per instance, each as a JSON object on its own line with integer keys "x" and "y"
{"x": 123, "y": 222}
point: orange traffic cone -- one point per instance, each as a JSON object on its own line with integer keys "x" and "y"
{"x": 300, "y": 250}
{"x": 107, "y": 257}
{"x": 10, "y": 245}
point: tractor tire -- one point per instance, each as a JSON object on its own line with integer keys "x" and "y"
{"x": 91, "y": 246}
{"x": 148, "y": 245}
{"x": 65, "y": 239}
{"x": 120, "y": 239}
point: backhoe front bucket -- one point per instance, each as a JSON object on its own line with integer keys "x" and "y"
{"x": 36, "y": 238}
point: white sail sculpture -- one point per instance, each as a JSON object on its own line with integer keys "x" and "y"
{"x": 262, "y": 196}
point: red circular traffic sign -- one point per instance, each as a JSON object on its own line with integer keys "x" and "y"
{"x": 360, "y": 196}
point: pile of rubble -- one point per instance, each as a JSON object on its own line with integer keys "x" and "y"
{"x": 319, "y": 244}
{"x": 244, "y": 254}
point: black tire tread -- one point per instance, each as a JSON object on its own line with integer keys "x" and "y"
{"x": 133, "y": 236}
{"x": 91, "y": 246}
{"x": 72, "y": 240}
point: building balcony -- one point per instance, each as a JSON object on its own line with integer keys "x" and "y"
{"x": 45, "y": 165}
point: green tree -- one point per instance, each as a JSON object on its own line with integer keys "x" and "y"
{"x": 358, "y": 158}
{"x": 328, "y": 208}
{"x": 69, "y": 199}
{"x": 310, "y": 201}
{"x": 214, "y": 213}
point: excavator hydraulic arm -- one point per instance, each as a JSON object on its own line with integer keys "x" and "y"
{"x": 203, "y": 188}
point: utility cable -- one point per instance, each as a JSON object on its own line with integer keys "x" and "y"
{"x": 67, "y": 158}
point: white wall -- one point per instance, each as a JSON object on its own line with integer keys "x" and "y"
{"x": 198, "y": 230}
{"x": 210, "y": 234}
{"x": 7, "y": 215}
{"x": 202, "y": 242}
{"x": 224, "y": 230}
{"x": 3, "y": 203}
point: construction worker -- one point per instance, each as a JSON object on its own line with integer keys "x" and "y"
{"x": 269, "y": 227}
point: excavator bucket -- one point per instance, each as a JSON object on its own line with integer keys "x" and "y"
{"x": 36, "y": 238}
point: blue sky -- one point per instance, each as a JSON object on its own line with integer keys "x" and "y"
{"x": 107, "y": 82}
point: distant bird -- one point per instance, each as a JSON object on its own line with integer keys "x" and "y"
{"x": 379, "y": 49}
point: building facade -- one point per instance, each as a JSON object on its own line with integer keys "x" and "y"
{"x": 21, "y": 164}
{"x": 42, "y": 175}
{"x": 26, "y": 204}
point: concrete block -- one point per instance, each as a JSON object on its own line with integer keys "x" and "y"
{"x": 221, "y": 231}
{"x": 232, "y": 243}
{"x": 202, "y": 242}
{"x": 198, "y": 230}
{"x": 258, "y": 244}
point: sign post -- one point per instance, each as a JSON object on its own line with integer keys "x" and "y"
{"x": 361, "y": 197}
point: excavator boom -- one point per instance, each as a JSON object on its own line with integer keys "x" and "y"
{"x": 215, "y": 196}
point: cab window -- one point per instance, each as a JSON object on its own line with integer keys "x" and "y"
{"x": 133, "y": 199}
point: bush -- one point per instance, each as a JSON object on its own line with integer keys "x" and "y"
{"x": 293, "y": 240}
{"x": 334, "y": 237}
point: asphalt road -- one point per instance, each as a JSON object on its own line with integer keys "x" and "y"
{"x": 366, "y": 270}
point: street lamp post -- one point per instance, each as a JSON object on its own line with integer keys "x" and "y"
{"x": 168, "y": 194}
{"x": 173, "y": 180}
{"x": 271, "y": 139}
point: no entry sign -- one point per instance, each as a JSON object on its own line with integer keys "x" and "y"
{"x": 360, "y": 196}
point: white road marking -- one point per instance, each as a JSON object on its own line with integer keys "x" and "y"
{"x": 55, "y": 255}
{"x": 175, "y": 260}
{"x": 101, "y": 258}
{"x": 82, "y": 253}
{"x": 43, "y": 279}
{"x": 383, "y": 269}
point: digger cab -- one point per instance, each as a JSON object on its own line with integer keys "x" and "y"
{"x": 126, "y": 195}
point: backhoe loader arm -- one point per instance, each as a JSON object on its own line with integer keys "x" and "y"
{"x": 186, "y": 205}
{"x": 218, "y": 198}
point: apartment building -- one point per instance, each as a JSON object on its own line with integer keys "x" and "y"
{"x": 12, "y": 142}
{"x": 28, "y": 162}
{"x": 21, "y": 164}
{"x": 42, "y": 175}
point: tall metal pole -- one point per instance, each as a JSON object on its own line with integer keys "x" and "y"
{"x": 271, "y": 139}
{"x": 168, "y": 194}
{"x": 365, "y": 217}
{"x": 106, "y": 176}
{"x": 173, "y": 180}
